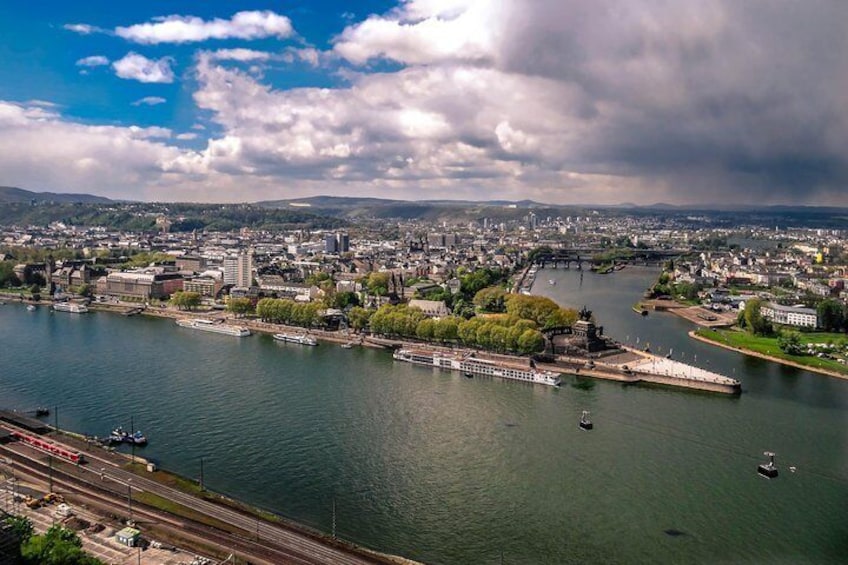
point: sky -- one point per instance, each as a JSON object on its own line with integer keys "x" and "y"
{"x": 558, "y": 101}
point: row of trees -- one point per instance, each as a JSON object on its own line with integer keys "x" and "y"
{"x": 542, "y": 311}
{"x": 283, "y": 311}
{"x": 501, "y": 332}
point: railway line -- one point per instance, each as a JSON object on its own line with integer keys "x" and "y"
{"x": 100, "y": 480}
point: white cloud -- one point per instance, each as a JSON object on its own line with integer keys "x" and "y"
{"x": 138, "y": 67}
{"x": 184, "y": 29}
{"x": 239, "y": 54}
{"x": 92, "y": 61}
{"x": 123, "y": 162}
{"x": 186, "y": 136}
{"x": 149, "y": 101}
{"x": 83, "y": 29}
{"x": 425, "y": 31}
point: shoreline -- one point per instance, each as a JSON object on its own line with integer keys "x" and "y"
{"x": 778, "y": 360}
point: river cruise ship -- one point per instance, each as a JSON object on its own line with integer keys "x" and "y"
{"x": 72, "y": 307}
{"x": 296, "y": 338}
{"x": 470, "y": 365}
{"x": 214, "y": 327}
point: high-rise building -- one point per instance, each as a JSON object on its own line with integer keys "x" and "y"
{"x": 331, "y": 243}
{"x": 336, "y": 243}
{"x": 230, "y": 264}
{"x": 238, "y": 269}
{"x": 244, "y": 277}
{"x": 343, "y": 240}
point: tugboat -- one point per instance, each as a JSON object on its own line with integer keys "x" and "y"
{"x": 767, "y": 470}
{"x": 585, "y": 422}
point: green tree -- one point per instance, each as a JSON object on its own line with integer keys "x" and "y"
{"x": 59, "y": 546}
{"x": 185, "y": 300}
{"x": 378, "y": 283}
{"x": 8, "y": 278}
{"x": 790, "y": 342}
{"x": 754, "y": 321}
{"x": 358, "y": 317}
{"x": 21, "y": 526}
{"x": 342, "y": 300}
{"x": 831, "y": 315}
{"x": 240, "y": 306}
{"x": 490, "y": 299}
{"x": 85, "y": 289}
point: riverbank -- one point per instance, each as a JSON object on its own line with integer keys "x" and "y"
{"x": 822, "y": 371}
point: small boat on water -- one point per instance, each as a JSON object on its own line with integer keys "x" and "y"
{"x": 552, "y": 282}
{"x": 347, "y": 345}
{"x": 31, "y": 308}
{"x": 302, "y": 339}
{"x": 119, "y": 435}
{"x": 585, "y": 422}
{"x": 768, "y": 470}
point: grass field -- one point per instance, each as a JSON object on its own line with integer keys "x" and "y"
{"x": 768, "y": 346}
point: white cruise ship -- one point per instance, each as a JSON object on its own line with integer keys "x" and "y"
{"x": 72, "y": 307}
{"x": 210, "y": 326}
{"x": 302, "y": 339}
{"x": 474, "y": 366}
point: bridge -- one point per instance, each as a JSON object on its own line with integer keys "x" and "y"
{"x": 566, "y": 257}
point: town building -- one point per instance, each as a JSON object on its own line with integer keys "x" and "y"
{"x": 796, "y": 316}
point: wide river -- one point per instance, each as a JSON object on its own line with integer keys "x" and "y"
{"x": 445, "y": 469}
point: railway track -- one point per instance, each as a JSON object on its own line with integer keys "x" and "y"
{"x": 108, "y": 484}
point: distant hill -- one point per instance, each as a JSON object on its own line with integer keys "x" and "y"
{"x": 10, "y": 194}
{"x": 433, "y": 210}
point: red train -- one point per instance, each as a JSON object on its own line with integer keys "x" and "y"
{"x": 49, "y": 447}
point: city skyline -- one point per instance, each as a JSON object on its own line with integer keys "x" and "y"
{"x": 558, "y": 102}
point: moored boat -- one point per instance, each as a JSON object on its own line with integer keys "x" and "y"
{"x": 302, "y": 339}
{"x": 71, "y": 307}
{"x": 211, "y": 326}
{"x": 470, "y": 365}
{"x": 119, "y": 435}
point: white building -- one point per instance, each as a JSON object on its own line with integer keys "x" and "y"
{"x": 790, "y": 315}
{"x": 238, "y": 269}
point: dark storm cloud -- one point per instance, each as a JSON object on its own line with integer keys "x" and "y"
{"x": 727, "y": 95}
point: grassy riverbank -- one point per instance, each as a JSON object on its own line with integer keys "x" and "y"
{"x": 767, "y": 348}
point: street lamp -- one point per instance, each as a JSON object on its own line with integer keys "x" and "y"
{"x": 129, "y": 498}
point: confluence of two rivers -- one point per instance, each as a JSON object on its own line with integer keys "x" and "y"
{"x": 444, "y": 469}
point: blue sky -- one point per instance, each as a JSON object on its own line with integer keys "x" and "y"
{"x": 561, "y": 101}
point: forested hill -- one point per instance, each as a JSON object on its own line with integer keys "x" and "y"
{"x": 183, "y": 217}
{"x": 12, "y": 194}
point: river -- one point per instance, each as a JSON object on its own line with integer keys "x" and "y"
{"x": 444, "y": 469}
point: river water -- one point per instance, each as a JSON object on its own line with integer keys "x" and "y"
{"x": 445, "y": 469}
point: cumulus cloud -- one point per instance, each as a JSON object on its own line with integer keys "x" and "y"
{"x": 138, "y": 67}
{"x": 83, "y": 29}
{"x": 184, "y": 29}
{"x": 114, "y": 161}
{"x": 149, "y": 101}
{"x": 556, "y": 100}
{"x": 186, "y": 136}
{"x": 423, "y": 31}
{"x": 239, "y": 54}
{"x": 92, "y": 61}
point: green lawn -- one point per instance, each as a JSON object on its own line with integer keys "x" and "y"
{"x": 768, "y": 346}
